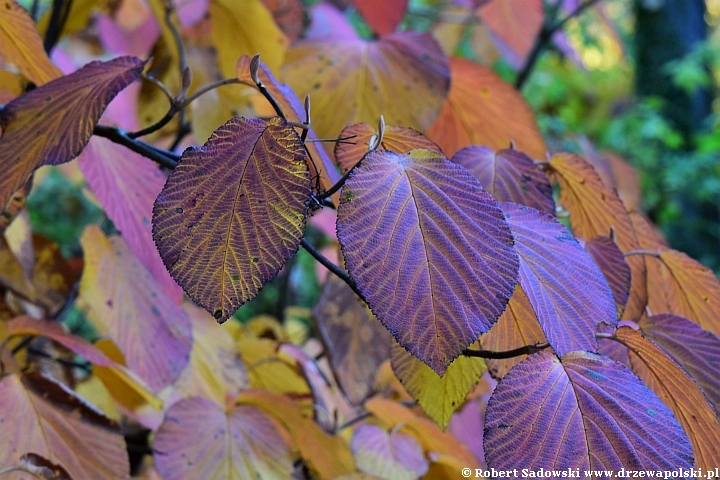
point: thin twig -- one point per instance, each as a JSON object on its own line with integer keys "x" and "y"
{"x": 160, "y": 85}
{"x": 254, "y": 74}
{"x": 366, "y": 414}
{"x": 162, "y": 157}
{"x": 544, "y": 37}
{"x": 526, "y": 350}
{"x": 650, "y": 253}
{"x": 206, "y": 88}
{"x": 337, "y": 271}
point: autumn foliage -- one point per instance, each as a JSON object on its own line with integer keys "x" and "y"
{"x": 486, "y": 302}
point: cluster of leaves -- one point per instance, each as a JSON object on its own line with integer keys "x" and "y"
{"x": 504, "y": 343}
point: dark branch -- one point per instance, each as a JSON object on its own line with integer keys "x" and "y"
{"x": 650, "y": 253}
{"x": 337, "y": 271}
{"x": 162, "y": 157}
{"x": 526, "y": 350}
{"x": 550, "y": 26}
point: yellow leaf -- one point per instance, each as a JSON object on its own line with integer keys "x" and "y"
{"x": 269, "y": 370}
{"x": 245, "y": 28}
{"x": 78, "y": 17}
{"x": 327, "y": 456}
{"x": 95, "y": 392}
{"x": 124, "y": 385}
{"x": 21, "y": 43}
{"x": 216, "y": 370}
{"x": 403, "y": 76}
{"x": 438, "y": 396}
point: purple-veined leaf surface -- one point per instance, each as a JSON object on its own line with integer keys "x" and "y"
{"x": 509, "y": 176}
{"x": 198, "y": 439}
{"x": 615, "y": 269}
{"x": 584, "y": 411}
{"x": 233, "y": 212}
{"x": 429, "y": 250}
{"x": 566, "y": 289}
{"x": 53, "y": 123}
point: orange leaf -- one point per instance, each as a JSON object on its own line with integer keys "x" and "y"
{"x": 41, "y": 416}
{"x": 21, "y": 43}
{"x": 383, "y": 16}
{"x": 679, "y": 392}
{"x": 688, "y": 289}
{"x": 361, "y": 135}
{"x": 481, "y": 109}
{"x": 402, "y": 76}
{"x": 595, "y": 210}
{"x": 518, "y": 326}
{"x": 327, "y": 456}
{"x": 516, "y": 22}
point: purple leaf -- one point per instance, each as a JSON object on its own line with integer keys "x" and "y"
{"x": 198, "y": 439}
{"x": 693, "y": 348}
{"x": 388, "y": 455}
{"x": 584, "y": 412}
{"x": 53, "y": 123}
{"x": 233, "y": 212}
{"x": 509, "y": 176}
{"x": 615, "y": 269}
{"x": 565, "y": 287}
{"x": 429, "y": 251}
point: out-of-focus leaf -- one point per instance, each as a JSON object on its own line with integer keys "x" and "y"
{"x": 420, "y": 236}
{"x": 392, "y": 456}
{"x": 268, "y": 370}
{"x": 11, "y": 85}
{"x": 136, "y": 39}
{"x": 356, "y": 342}
{"x": 53, "y": 123}
{"x": 626, "y": 179}
{"x": 509, "y": 176}
{"x": 318, "y": 160}
{"x": 481, "y": 109}
{"x": 694, "y": 349}
{"x": 94, "y": 391}
{"x": 438, "y": 396}
{"x": 198, "y": 439}
{"x": 126, "y": 184}
{"x": 687, "y": 288}
{"x": 596, "y": 210}
{"x": 21, "y": 44}
{"x": 383, "y": 16}
{"x": 589, "y": 411}
{"x": 123, "y": 384}
{"x": 327, "y": 456}
{"x": 12, "y": 274}
{"x": 245, "y": 28}
{"x": 216, "y": 370}
{"x": 361, "y": 135}
{"x": 44, "y": 468}
{"x": 52, "y": 276}
{"x": 328, "y": 23}
{"x": 615, "y": 269}
{"x": 288, "y": 15}
{"x": 41, "y": 416}
{"x": 126, "y": 303}
{"x": 223, "y": 244}
{"x": 14, "y": 206}
{"x": 516, "y": 22}
{"x": 562, "y": 282}
{"x": 679, "y": 393}
{"x": 77, "y": 17}
{"x": 385, "y": 77}
{"x": 518, "y": 326}
{"x": 429, "y": 435}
